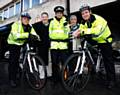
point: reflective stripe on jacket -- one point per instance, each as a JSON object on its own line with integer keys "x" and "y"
{"x": 17, "y": 35}
{"x": 99, "y": 28}
{"x": 57, "y": 31}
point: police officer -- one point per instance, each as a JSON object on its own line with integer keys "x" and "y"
{"x": 97, "y": 25}
{"x": 19, "y": 32}
{"x": 58, "y": 33}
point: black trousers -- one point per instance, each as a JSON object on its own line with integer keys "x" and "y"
{"x": 43, "y": 52}
{"x": 57, "y": 56}
{"x": 106, "y": 50}
{"x": 3, "y": 47}
{"x": 13, "y": 66}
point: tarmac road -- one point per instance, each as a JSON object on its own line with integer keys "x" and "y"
{"x": 95, "y": 87}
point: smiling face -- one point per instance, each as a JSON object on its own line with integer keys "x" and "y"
{"x": 73, "y": 20}
{"x": 44, "y": 18}
{"x": 25, "y": 20}
{"x": 86, "y": 14}
{"x": 59, "y": 14}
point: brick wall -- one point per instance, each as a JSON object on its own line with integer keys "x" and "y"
{"x": 4, "y": 2}
{"x": 49, "y": 6}
{"x": 37, "y": 10}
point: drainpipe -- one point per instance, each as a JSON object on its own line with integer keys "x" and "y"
{"x": 21, "y": 9}
{"x": 68, "y": 7}
{"x": 21, "y": 6}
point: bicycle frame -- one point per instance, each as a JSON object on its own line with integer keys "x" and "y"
{"x": 80, "y": 65}
{"x": 27, "y": 57}
{"x": 82, "y": 56}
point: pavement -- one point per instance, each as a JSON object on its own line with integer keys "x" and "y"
{"x": 95, "y": 87}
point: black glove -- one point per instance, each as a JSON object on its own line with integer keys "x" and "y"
{"x": 33, "y": 37}
{"x": 65, "y": 23}
{"x": 88, "y": 36}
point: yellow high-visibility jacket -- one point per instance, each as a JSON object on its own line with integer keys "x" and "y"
{"x": 99, "y": 28}
{"x": 17, "y": 35}
{"x": 58, "y": 33}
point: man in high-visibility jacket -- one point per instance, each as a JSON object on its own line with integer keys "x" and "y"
{"x": 58, "y": 33}
{"x": 98, "y": 26}
{"x": 20, "y": 31}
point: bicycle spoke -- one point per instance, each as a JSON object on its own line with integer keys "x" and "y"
{"x": 75, "y": 82}
{"x": 70, "y": 80}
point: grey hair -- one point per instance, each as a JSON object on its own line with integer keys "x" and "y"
{"x": 73, "y": 16}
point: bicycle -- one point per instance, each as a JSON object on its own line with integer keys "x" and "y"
{"x": 33, "y": 67}
{"x": 78, "y": 67}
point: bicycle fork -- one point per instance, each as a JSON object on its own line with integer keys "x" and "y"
{"x": 30, "y": 64}
{"x": 82, "y": 59}
{"x": 78, "y": 63}
{"x": 98, "y": 63}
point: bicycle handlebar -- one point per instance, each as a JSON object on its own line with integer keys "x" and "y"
{"x": 33, "y": 37}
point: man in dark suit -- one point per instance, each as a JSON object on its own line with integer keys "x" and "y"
{"x": 42, "y": 28}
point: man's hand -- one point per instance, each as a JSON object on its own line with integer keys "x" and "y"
{"x": 76, "y": 33}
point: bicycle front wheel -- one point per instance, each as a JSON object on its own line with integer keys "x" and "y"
{"x": 72, "y": 81}
{"x": 36, "y": 72}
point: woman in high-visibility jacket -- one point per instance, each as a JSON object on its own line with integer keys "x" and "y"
{"x": 58, "y": 33}
{"x": 97, "y": 25}
{"x": 19, "y": 32}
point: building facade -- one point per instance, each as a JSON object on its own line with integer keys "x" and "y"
{"x": 10, "y": 9}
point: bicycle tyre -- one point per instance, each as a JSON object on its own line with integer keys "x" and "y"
{"x": 34, "y": 79}
{"x": 68, "y": 73}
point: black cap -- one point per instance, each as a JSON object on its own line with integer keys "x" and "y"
{"x": 25, "y": 14}
{"x": 59, "y": 9}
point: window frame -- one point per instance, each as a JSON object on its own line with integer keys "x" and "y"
{"x": 1, "y": 15}
{"x": 35, "y": 4}
{"x": 23, "y": 3}
{"x": 6, "y": 9}
{"x": 13, "y": 10}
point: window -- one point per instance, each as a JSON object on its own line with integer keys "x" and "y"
{"x": 41, "y": 1}
{"x": 26, "y": 4}
{"x": 5, "y": 16}
{"x": 0, "y": 16}
{"x": 17, "y": 9}
{"x": 35, "y": 2}
{"x": 11, "y": 11}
